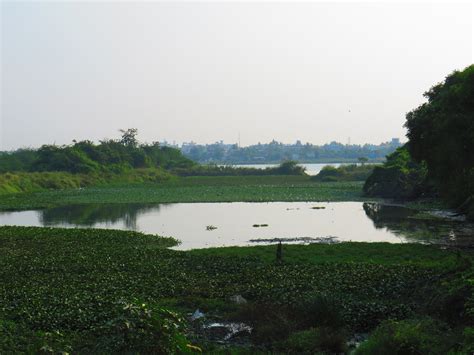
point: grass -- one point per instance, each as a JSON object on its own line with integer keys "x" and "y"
{"x": 193, "y": 189}
{"x": 349, "y": 252}
{"x": 69, "y": 282}
{"x": 23, "y": 182}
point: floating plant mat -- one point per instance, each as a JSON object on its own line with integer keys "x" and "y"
{"x": 305, "y": 240}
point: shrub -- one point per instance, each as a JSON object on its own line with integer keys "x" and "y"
{"x": 350, "y": 172}
{"x": 144, "y": 329}
{"x": 319, "y": 311}
{"x": 270, "y": 322}
{"x": 314, "y": 340}
{"x": 399, "y": 177}
{"x": 416, "y": 336}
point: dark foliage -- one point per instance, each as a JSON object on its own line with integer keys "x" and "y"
{"x": 441, "y": 133}
{"x": 275, "y": 152}
{"x": 288, "y": 167}
{"x": 350, "y": 172}
{"x": 440, "y": 152}
{"x": 111, "y": 156}
{"x": 399, "y": 177}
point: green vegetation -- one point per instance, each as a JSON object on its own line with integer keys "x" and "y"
{"x": 399, "y": 177}
{"x": 351, "y": 172}
{"x": 88, "y": 290}
{"x": 287, "y": 167}
{"x": 412, "y": 336}
{"x": 441, "y": 134}
{"x": 114, "y": 159}
{"x": 11, "y": 183}
{"x": 109, "y": 156}
{"x": 275, "y": 152}
{"x": 192, "y": 189}
{"x": 439, "y": 155}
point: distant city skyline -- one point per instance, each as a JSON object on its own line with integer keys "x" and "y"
{"x": 201, "y": 71}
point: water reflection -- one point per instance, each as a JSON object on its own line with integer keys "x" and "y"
{"x": 405, "y": 222}
{"x": 89, "y": 215}
{"x": 235, "y": 222}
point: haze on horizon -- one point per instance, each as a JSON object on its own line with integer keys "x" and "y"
{"x": 187, "y": 71}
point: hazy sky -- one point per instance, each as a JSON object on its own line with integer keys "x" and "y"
{"x": 208, "y": 71}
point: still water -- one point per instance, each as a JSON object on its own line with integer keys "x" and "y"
{"x": 203, "y": 225}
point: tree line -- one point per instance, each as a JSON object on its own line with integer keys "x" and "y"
{"x": 275, "y": 152}
{"x": 438, "y": 159}
{"x": 84, "y": 157}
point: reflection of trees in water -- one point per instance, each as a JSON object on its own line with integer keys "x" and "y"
{"x": 399, "y": 220}
{"x": 90, "y": 214}
{"x": 383, "y": 214}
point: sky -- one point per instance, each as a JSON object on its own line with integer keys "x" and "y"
{"x": 210, "y": 71}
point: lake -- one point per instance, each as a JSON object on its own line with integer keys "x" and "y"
{"x": 203, "y": 225}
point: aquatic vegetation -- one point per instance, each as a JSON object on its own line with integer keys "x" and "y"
{"x": 412, "y": 336}
{"x": 193, "y": 189}
{"x": 325, "y": 240}
{"x": 73, "y": 281}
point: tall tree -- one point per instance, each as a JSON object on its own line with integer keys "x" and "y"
{"x": 129, "y": 137}
{"x": 441, "y": 133}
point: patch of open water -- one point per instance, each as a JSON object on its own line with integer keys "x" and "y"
{"x": 204, "y": 225}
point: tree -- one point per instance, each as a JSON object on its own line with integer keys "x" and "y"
{"x": 439, "y": 155}
{"x": 441, "y": 133}
{"x": 129, "y": 137}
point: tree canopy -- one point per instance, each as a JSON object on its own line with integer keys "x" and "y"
{"x": 441, "y": 133}
{"x": 87, "y": 157}
{"x": 439, "y": 155}
{"x": 440, "y": 150}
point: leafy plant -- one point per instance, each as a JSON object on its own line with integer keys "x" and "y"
{"x": 415, "y": 336}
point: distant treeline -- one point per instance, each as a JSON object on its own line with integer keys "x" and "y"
{"x": 85, "y": 157}
{"x": 124, "y": 160}
{"x": 288, "y": 167}
{"x": 275, "y": 152}
{"x": 439, "y": 156}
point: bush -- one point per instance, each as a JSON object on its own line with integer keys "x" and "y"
{"x": 286, "y": 168}
{"x": 315, "y": 340}
{"x": 417, "y": 336}
{"x": 86, "y": 157}
{"x": 289, "y": 167}
{"x": 399, "y": 177}
{"x": 270, "y": 322}
{"x": 319, "y": 311}
{"x": 468, "y": 341}
{"x": 139, "y": 328}
{"x": 350, "y": 172}
{"x": 19, "y": 339}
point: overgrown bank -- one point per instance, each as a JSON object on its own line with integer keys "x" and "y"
{"x": 13, "y": 183}
{"x": 192, "y": 189}
{"x": 111, "y": 291}
{"x": 438, "y": 159}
